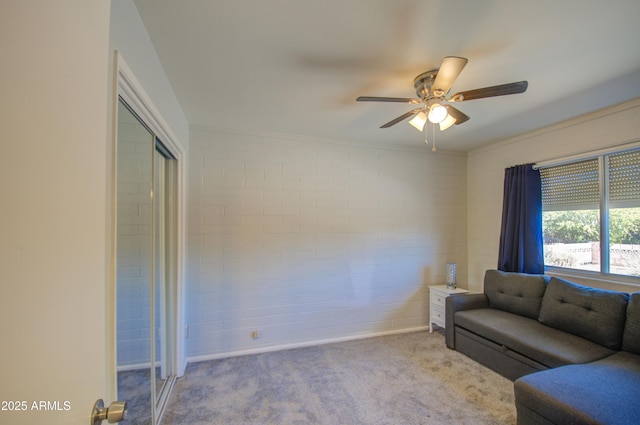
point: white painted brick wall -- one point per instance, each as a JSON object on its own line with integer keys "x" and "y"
{"x": 307, "y": 241}
{"x": 603, "y": 129}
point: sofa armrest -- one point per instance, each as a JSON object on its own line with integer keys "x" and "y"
{"x": 459, "y": 303}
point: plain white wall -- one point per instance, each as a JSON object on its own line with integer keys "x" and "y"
{"x": 606, "y": 128}
{"x": 309, "y": 241}
{"x": 53, "y": 116}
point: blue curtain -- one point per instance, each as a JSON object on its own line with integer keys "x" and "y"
{"x": 521, "y": 248}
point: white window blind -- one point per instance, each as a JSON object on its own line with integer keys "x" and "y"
{"x": 624, "y": 179}
{"x": 574, "y": 186}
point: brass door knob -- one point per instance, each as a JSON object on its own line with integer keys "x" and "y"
{"x": 114, "y": 413}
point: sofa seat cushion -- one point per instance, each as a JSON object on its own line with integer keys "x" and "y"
{"x": 603, "y": 392}
{"x": 595, "y": 314}
{"x": 518, "y": 293}
{"x": 548, "y": 346}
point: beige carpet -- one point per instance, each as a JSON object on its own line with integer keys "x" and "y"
{"x": 401, "y": 379}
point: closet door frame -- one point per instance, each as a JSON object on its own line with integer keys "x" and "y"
{"x": 131, "y": 91}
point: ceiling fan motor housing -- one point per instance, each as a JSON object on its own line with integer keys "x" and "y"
{"x": 423, "y": 82}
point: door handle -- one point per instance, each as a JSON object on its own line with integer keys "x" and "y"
{"x": 116, "y": 412}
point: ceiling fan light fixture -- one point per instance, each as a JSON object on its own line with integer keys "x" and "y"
{"x": 447, "y": 122}
{"x": 419, "y": 121}
{"x": 437, "y": 113}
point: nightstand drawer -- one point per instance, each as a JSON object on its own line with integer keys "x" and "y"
{"x": 438, "y": 299}
{"x": 437, "y": 316}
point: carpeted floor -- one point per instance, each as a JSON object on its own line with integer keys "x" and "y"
{"x": 400, "y": 379}
{"x": 134, "y": 386}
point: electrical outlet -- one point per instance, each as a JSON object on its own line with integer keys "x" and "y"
{"x": 186, "y": 331}
{"x": 255, "y": 334}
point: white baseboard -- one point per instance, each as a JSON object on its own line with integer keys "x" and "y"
{"x": 224, "y": 355}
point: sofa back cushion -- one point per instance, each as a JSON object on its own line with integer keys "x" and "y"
{"x": 518, "y": 293}
{"x": 595, "y": 314}
{"x": 631, "y": 336}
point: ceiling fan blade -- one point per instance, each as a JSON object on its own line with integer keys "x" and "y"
{"x": 449, "y": 71}
{"x": 388, "y": 99}
{"x": 401, "y": 118}
{"x": 457, "y": 114}
{"x": 500, "y": 90}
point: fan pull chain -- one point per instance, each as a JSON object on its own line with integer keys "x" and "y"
{"x": 433, "y": 137}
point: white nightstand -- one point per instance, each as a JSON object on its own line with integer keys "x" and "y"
{"x": 437, "y": 295}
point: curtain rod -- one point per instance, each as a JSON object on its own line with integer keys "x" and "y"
{"x": 627, "y": 146}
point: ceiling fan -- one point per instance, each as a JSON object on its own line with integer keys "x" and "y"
{"x": 432, "y": 87}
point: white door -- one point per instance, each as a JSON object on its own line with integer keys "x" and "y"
{"x": 53, "y": 212}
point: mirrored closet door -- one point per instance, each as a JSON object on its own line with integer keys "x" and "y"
{"x": 145, "y": 268}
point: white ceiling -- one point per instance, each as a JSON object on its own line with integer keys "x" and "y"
{"x": 296, "y": 66}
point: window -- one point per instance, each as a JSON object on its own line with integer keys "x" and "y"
{"x": 591, "y": 214}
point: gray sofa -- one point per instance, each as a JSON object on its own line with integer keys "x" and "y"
{"x": 573, "y": 351}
